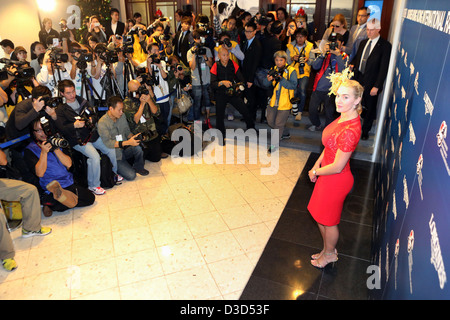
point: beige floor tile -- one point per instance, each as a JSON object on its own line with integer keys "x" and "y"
{"x": 239, "y": 216}
{"x": 170, "y": 232}
{"x": 252, "y": 238}
{"x": 192, "y": 284}
{"x": 219, "y": 246}
{"x": 92, "y": 248}
{"x": 205, "y": 224}
{"x": 138, "y": 266}
{"x": 151, "y": 289}
{"x": 231, "y": 274}
{"x": 132, "y": 240}
{"x": 180, "y": 256}
{"x": 46, "y": 286}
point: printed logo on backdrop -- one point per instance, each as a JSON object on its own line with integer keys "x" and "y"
{"x": 419, "y": 167}
{"x": 436, "y": 253}
{"x": 428, "y": 104}
{"x": 405, "y": 192}
{"x": 416, "y": 83}
{"x": 412, "y": 134}
{"x": 410, "y": 258}
{"x": 394, "y": 205}
{"x": 442, "y": 144}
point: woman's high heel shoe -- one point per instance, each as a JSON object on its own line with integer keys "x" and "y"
{"x": 317, "y": 264}
{"x": 317, "y": 255}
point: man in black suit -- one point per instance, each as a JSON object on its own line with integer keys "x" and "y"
{"x": 114, "y": 26}
{"x": 183, "y": 40}
{"x": 370, "y": 66}
{"x": 252, "y": 50}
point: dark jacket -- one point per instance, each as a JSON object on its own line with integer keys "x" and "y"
{"x": 376, "y": 66}
{"x": 252, "y": 59}
{"x": 181, "y": 49}
{"x": 230, "y": 72}
{"x": 120, "y": 29}
{"x": 66, "y": 118}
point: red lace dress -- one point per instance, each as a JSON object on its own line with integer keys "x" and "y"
{"x": 330, "y": 191}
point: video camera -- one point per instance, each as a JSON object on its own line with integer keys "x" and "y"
{"x": 199, "y": 50}
{"x": 107, "y": 55}
{"x": 23, "y": 72}
{"x": 146, "y": 78}
{"x": 54, "y": 139}
{"x": 57, "y": 55}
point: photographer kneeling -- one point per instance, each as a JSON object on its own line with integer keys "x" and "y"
{"x": 284, "y": 80}
{"x": 226, "y": 83}
{"x": 76, "y": 120}
{"x": 51, "y": 164}
{"x": 115, "y": 132}
{"x": 141, "y": 111}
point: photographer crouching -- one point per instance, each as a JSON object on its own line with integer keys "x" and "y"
{"x": 284, "y": 81}
{"x": 50, "y": 164}
{"x": 227, "y": 83}
{"x": 141, "y": 111}
{"x": 76, "y": 120}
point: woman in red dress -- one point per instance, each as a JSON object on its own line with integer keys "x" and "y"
{"x": 331, "y": 172}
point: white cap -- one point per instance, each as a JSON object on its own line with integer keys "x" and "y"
{"x": 373, "y": 24}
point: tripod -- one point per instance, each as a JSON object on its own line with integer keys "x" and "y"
{"x": 110, "y": 87}
{"x": 128, "y": 74}
{"x": 86, "y": 87}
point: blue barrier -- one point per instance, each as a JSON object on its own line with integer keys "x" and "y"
{"x": 14, "y": 141}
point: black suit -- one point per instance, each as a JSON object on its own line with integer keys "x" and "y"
{"x": 373, "y": 77}
{"x": 120, "y": 29}
{"x": 180, "y": 49}
{"x": 252, "y": 59}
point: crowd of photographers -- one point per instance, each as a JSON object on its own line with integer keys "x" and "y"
{"x": 110, "y": 92}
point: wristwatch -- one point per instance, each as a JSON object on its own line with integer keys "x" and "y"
{"x": 314, "y": 172}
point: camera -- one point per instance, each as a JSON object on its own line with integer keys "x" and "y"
{"x": 199, "y": 50}
{"x": 333, "y": 41}
{"x": 108, "y": 56}
{"x": 227, "y": 42}
{"x": 145, "y": 136}
{"x": 236, "y": 88}
{"x": 142, "y": 90}
{"x": 155, "y": 59}
{"x": 57, "y": 55}
{"x": 65, "y": 33}
{"x": 275, "y": 74}
{"x": 52, "y": 102}
{"x": 55, "y": 140}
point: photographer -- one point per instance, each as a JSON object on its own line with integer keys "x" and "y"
{"x": 141, "y": 111}
{"x": 200, "y": 61}
{"x": 50, "y": 164}
{"x": 226, "y": 84}
{"x": 96, "y": 30}
{"x": 232, "y": 46}
{"x": 158, "y": 73}
{"x": 284, "y": 81}
{"x": 298, "y": 56}
{"x": 115, "y": 132}
{"x": 333, "y": 60}
{"x": 76, "y": 121}
{"x": 81, "y": 60}
{"x": 55, "y": 67}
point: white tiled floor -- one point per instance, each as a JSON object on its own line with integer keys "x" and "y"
{"x": 186, "y": 231}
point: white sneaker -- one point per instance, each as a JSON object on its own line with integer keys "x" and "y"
{"x": 98, "y": 191}
{"x": 119, "y": 178}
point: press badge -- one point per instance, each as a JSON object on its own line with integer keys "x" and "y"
{"x": 119, "y": 137}
{"x": 142, "y": 119}
{"x": 203, "y": 66}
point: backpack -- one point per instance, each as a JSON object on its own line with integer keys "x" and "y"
{"x": 107, "y": 175}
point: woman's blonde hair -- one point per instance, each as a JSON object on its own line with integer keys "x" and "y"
{"x": 357, "y": 90}
{"x": 340, "y": 17}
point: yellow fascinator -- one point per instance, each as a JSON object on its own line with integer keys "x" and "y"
{"x": 338, "y": 78}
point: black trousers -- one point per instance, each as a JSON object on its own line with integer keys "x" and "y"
{"x": 85, "y": 198}
{"x": 152, "y": 150}
{"x": 369, "y": 113}
{"x": 238, "y": 104}
{"x": 252, "y": 103}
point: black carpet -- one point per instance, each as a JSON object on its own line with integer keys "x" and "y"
{"x": 284, "y": 272}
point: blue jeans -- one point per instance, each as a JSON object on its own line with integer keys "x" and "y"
{"x": 302, "y": 83}
{"x": 195, "y": 111}
{"x": 93, "y": 161}
{"x": 123, "y": 166}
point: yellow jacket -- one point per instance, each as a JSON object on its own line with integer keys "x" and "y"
{"x": 285, "y": 95}
{"x": 232, "y": 56}
{"x": 293, "y": 51}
